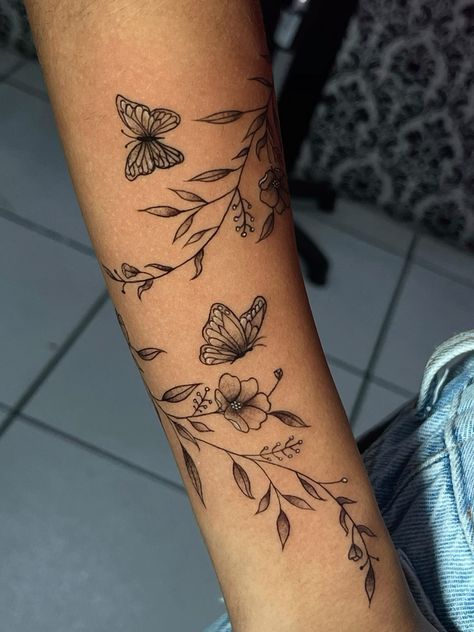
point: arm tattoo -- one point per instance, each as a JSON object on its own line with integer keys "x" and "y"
{"x": 204, "y": 420}
{"x": 229, "y": 337}
{"x": 260, "y": 140}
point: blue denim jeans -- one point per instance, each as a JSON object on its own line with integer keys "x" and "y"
{"x": 422, "y": 471}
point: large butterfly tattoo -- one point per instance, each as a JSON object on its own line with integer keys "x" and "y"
{"x": 229, "y": 337}
{"x": 145, "y": 127}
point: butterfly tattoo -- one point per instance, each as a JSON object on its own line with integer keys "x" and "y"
{"x": 229, "y": 337}
{"x": 146, "y": 128}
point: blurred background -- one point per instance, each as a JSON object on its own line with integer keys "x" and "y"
{"x": 376, "y": 103}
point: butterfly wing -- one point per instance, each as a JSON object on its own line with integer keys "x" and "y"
{"x": 147, "y": 153}
{"x": 224, "y": 335}
{"x": 252, "y": 320}
{"x": 135, "y": 116}
{"x": 211, "y": 355}
{"x": 163, "y": 121}
{"x": 146, "y": 156}
{"x": 165, "y": 156}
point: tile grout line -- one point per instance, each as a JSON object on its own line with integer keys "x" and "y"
{"x": 384, "y": 329}
{"x": 74, "y": 244}
{"x": 101, "y": 452}
{"x": 342, "y": 364}
{"x": 390, "y": 386}
{"x": 386, "y": 248}
{"x": 53, "y": 362}
{"x": 11, "y": 216}
{"x": 26, "y": 89}
{"x": 356, "y": 234}
{"x": 353, "y": 370}
{"x": 446, "y": 274}
{"x": 16, "y": 66}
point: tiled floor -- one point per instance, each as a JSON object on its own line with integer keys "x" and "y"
{"x": 95, "y": 530}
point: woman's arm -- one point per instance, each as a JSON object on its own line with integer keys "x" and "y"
{"x": 168, "y": 118}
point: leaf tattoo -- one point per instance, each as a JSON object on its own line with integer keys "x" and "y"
{"x": 265, "y": 501}
{"x": 193, "y": 474}
{"x": 179, "y": 393}
{"x": 283, "y": 527}
{"x": 147, "y": 353}
{"x": 242, "y": 480}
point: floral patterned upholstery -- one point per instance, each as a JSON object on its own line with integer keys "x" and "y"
{"x": 395, "y": 126}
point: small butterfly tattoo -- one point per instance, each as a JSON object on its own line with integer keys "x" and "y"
{"x": 229, "y": 337}
{"x": 145, "y": 127}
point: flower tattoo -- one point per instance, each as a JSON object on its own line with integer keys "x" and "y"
{"x": 241, "y": 403}
{"x": 273, "y": 191}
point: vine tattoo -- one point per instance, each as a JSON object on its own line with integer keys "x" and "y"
{"x": 260, "y": 139}
{"x": 230, "y": 337}
{"x": 267, "y": 476}
{"x": 146, "y": 353}
{"x": 145, "y": 127}
{"x": 242, "y": 406}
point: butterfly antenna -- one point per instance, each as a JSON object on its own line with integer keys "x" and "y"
{"x": 128, "y": 136}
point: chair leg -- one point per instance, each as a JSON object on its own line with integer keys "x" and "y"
{"x": 320, "y": 191}
{"x": 314, "y": 260}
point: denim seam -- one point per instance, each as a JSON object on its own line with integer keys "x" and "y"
{"x": 461, "y": 518}
{"x": 433, "y": 460}
{"x": 454, "y": 456}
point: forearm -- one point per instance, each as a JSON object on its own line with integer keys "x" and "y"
{"x": 194, "y": 213}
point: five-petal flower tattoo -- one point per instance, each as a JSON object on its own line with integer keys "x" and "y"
{"x": 241, "y": 402}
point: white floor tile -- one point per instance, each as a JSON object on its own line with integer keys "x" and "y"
{"x": 379, "y": 403}
{"x": 362, "y": 221}
{"x": 444, "y": 257}
{"x": 96, "y": 394}
{"x": 350, "y": 309}
{"x": 431, "y": 309}
{"x": 87, "y": 544}
{"x": 46, "y": 289}
{"x": 347, "y": 384}
{"x": 29, "y": 75}
{"x": 33, "y": 177}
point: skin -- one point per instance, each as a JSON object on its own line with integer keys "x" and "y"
{"x": 196, "y": 59}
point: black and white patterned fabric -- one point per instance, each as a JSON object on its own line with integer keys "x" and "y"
{"x": 395, "y": 126}
{"x": 14, "y": 28}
